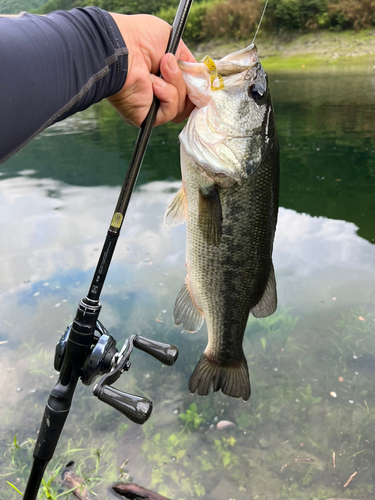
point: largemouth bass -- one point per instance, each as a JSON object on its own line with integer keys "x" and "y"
{"x": 229, "y": 198}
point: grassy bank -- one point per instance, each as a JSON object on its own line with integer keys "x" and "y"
{"x": 315, "y": 50}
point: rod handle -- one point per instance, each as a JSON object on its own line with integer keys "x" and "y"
{"x": 165, "y": 353}
{"x": 135, "y": 408}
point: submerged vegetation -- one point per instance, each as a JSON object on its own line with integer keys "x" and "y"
{"x": 309, "y": 425}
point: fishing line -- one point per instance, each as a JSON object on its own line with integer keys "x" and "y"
{"x": 260, "y": 22}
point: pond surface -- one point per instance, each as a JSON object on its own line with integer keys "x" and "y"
{"x": 308, "y": 430}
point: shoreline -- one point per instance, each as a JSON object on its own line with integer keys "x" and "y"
{"x": 318, "y": 50}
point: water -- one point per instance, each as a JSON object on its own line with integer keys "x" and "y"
{"x": 309, "y": 426}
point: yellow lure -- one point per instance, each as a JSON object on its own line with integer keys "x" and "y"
{"x": 210, "y": 63}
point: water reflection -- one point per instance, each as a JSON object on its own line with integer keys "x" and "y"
{"x": 326, "y": 135}
{"x": 54, "y": 231}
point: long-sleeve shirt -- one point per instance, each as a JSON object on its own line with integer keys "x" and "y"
{"x": 53, "y": 66}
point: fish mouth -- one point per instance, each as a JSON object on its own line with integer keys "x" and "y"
{"x": 238, "y": 62}
{"x": 216, "y": 141}
{"x": 198, "y": 82}
{"x": 208, "y": 75}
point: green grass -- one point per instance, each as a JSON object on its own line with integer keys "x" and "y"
{"x": 312, "y": 62}
{"x": 313, "y": 51}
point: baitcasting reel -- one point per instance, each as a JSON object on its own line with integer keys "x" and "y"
{"x": 106, "y": 361}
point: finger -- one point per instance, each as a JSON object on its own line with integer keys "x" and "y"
{"x": 189, "y": 106}
{"x": 168, "y": 97}
{"x": 172, "y": 74}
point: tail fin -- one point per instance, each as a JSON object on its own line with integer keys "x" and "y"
{"x": 233, "y": 380}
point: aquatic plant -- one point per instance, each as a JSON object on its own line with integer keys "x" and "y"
{"x": 222, "y": 446}
{"x": 191, "y": 417}
{"x": 287, "y": 438}
{"x": 18, "y": 461}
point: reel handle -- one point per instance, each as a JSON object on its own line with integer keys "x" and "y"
{"x": 165, "y": 353}
{"x": 136, "y": 408}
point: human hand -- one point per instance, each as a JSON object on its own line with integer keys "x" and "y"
{"x": 146, "y": 38}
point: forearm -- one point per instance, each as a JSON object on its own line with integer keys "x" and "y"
{"x": 53, "y": 66}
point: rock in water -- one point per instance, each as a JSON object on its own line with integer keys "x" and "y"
{"x": 135, "y": 492}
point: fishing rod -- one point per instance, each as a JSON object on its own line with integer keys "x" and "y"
{"x": 86, "y": 351}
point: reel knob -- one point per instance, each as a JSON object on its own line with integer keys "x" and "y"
{"x": 136, "y": 408}
{"x": 165, "y": 353}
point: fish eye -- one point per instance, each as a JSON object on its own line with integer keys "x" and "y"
{"x": 257, "y": 92}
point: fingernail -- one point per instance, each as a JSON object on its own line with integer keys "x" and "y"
{"x": 172, "y": 65}
{"x": 159, "y": 82}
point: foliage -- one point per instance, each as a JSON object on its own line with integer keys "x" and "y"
{"x": 295, "y": 14}
{"x": 315, "y": 14}
{"x": 194, "y": 30}
{"x": 346, "y": 14}
{"x": 137, "y": 6}
{"x": 16, "y": 6}
{"x": 211, "y": 19}
{"x": 238, "y": 18}
{"x": 234, "y": 18}
{"x": 128, "y": 7}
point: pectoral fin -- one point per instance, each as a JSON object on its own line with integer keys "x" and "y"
{"x": 176, "y": 210}
{"x": 186, "y": 312}
{"x": 268, "y": 303}
{"x": 210, "y": 215}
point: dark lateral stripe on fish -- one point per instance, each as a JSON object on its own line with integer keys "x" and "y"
{"x": 232, "y": 380}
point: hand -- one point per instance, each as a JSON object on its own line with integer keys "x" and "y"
{"x": 146, "y": 38}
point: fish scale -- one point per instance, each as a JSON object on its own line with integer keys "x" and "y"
{"x": 228, "y": 280}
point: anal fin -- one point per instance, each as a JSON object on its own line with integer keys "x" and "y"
{"x": 210, "y": 215}
{"x": 268, "y": 303}
{"x": 186, "y": 312}
{"x": 176, "y": 210}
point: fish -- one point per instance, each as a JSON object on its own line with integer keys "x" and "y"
{"x": 229, "y": 198}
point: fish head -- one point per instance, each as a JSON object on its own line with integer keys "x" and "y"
{"x": 232, "y": 128}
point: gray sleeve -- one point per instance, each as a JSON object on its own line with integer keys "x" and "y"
{"x": 53, "y": 66}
